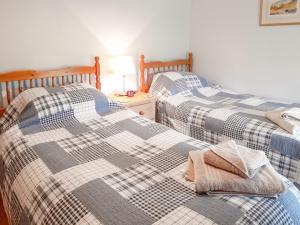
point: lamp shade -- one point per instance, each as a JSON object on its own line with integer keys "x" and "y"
{"x": 123, "y": 65}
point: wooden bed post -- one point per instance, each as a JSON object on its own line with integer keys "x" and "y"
{"x": 190, "y": 59}
{"x": 142, "y": 74}
{"x": 97, "y": 69}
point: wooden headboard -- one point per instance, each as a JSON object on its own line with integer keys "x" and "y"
{"x": 61, "y": 75}
{"x": 149, "y": 69}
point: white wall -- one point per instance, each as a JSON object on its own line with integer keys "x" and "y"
{"x": 231, "y": 49}
{"x": 45, "y": 34}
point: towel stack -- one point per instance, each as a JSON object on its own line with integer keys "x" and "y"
{"x": 288, "y": 120}
{"x": 231, "y": 169}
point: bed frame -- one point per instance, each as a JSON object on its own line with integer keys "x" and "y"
{"x": 55, "y": 75}
{"x": 149, "y": 69}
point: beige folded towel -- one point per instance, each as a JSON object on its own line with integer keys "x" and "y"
{"x": 209, "y": 179}
{"x": 288, "y": 120}
{"x": 236, "y": 159}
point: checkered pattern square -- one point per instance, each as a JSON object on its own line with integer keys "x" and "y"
{"x": 166, "y": 160}
{"x": 21, "y": 160}
{"x": 184, "y": 216}
{"x": 16, "y": 210}
{"x": 145, "y": 150}
{"x": 134, "y": 179}
{"x": 285, "y": 165}
{"x": 114, "y": 106}
{"x": 162, "y": 198}
{"x": 93, "y": 152}
{"x": 142, "y": 121}
{"x": 257, "y": 135}
{"x": 193, "y": 81}
{"x": 267, "y": 211}
{"x": 45, "y": 196}
{"x": 235, "y": 126}
{"x": 197, "y": 116}
{"x": 80, "y": 95}
{"x": 58, "y": 120}
{"x": 79, "y": 142}
{"x": 182, "y": 110}
{"x": 242, "y": 202}
{"x": 95, "y": 124}
{"x": 52, "y": 104}
{"x": 9, "y": 118}
{"x": 69, "y": 210}
{"x": 109, "y": 131}
{"x": 180, "y": 84}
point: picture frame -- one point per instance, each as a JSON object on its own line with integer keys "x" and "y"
{"x": 279, "y": 12}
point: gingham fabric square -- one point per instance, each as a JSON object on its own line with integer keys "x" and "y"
{"x": 81, "y": 174}
{"x": 285, "y": 165}
{"x": 79, "y": 142}
{"x": 108, "y": 131}
{"x": 93, "y": 152}
{"x": 257, "y": 135}
{"x": 242, "y": 202}
{"x": 69, "y": 210}
{"x": 9, "y": 118}
{"x": 162, "y": 198}
{"x": 184, "y": 216}
{"x": 95, "y": 124}
{"x": 80, "y": 95}
{"x": 182, "y": 110}
{"x": 235, "y": 126}
{"x": 12, "y": 150}
{"x": 166, "y": 160}
{"x": 134, "y": 179}
{"x": 267, "y": 211}
{"x": 52, "y": 104}
{"x": 197, "y": 116}
{"x": 45, "y": 196}
{"x": 20, "y": 161}
{"x": 193, "y": 81}
{"x": 145, "y": 150}
{"x": 142, "y": 121}
{"x": 59, "y": 120}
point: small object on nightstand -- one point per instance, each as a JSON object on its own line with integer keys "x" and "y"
{"x": 141, "y": 103}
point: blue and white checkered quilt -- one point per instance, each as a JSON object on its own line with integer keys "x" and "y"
{"x": 189, "y": 104}
{"x": 69, "y": 155}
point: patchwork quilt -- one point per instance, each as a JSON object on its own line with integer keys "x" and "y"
{"x": 69, "y": 155}
{"x": 193, "y": 106}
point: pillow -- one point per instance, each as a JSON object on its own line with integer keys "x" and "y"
{"x": 170, "y": 83}
{"x": 50, "y": 106}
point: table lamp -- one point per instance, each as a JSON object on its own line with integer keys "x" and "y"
{"x": 124, "y": 66}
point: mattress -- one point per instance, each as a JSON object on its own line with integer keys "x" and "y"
{"x": 207, "y": 112}
{"x": 69, "y": 155}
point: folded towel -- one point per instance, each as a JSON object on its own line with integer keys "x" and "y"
{"x": 293, "y": 113}
{"x": 209, "y": 179}
{"x": 288, "y": 120}
{"x": 236, "y": 159}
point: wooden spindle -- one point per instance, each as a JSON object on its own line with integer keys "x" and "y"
{"x": 43, "y": 82}
{"x": 30, "y": 83}
{"x": 19, "y": 86}
{"x": 7, "y": 92}
{"x": 81, "y": 78}
{"x": 90, "y": 79}
{"x": 63, "y": 80}
{"x": 53, "y": 82}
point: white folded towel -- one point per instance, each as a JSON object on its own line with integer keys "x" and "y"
{"x": 236, "y": 159}
{"x": 288, "y": 120}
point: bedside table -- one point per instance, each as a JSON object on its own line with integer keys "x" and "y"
{"x": 141, "y": 103}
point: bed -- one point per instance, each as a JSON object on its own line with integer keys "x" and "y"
{"x": 70, "y": 155}
{"x": 192, "y": 105}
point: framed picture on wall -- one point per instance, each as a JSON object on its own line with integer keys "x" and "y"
{"x": 279, "y": 12}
